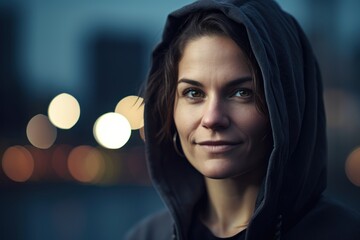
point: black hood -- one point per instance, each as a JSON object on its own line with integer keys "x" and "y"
{"x": 296, "y": 174}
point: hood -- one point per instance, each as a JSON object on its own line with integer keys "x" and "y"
{"x": 296, "y": 174}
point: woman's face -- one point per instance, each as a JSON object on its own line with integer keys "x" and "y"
{"x": 220, "y": 129}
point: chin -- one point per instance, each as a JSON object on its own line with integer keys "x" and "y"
{"x": 216, "y": 176}
{"x": 218, "y": 171}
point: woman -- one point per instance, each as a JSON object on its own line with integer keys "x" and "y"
{"x": 235, "y": 129}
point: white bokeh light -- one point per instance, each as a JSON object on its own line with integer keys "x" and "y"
{"x": 64, "y": 111}
{"x": 112, "y": 130}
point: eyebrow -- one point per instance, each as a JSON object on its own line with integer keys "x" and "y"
{"x": 231, "y": 83}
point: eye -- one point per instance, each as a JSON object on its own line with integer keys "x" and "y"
{"x": 193, "y": 93}
{"x": 243, "y": 93}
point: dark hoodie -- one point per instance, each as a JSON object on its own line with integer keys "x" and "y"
{"x": 290, "y": 205}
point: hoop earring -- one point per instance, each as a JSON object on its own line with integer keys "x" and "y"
{"x": 176, "y": 145}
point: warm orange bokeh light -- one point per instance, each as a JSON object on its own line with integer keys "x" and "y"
{"x": 18, "y": 164}
{"x": 132, "y": 108}
{"x": 40, "y": 132}
{"x": 85, "y": 164}
{"x": 352, "y": 167}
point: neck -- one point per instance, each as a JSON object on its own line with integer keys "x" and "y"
{"x": 230, "y": 203}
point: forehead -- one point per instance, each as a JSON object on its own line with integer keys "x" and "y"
{"x": 214, "y": 59}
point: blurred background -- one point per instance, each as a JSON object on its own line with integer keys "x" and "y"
{"x": 92, "y": 55}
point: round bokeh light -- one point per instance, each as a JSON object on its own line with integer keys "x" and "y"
{"x": 64, "y": 111}
{"x": 112, "y": 130}
{"x": 85, "y": 164}
{"x": 40, "y": 132}
{"x": 132, "y": 108}
{"x": 352, "y": 167}
{"x": 18, "y": 164}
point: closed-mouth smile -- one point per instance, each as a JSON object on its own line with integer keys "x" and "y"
{"x": 217, "y": 146}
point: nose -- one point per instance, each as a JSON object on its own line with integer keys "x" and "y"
{"x": 215, "y": 115}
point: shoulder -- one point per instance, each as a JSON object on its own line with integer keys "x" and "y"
{"x": 157, "y": 226}
{"x": 329, "y": 219}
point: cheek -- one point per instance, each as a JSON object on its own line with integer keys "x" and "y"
{"x": 186, "y": 119}
{"x": 253, "y": 123}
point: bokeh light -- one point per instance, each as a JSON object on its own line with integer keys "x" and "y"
{"x": 18, "y": 163}
{"x": 86, "y": 164}
{"x": 132, "y": 108}
{"x": 352, "y": 167}
{"x": 112, "y": 130}
{"x": 64, "y": 111}
{"x": 40, "y": 132}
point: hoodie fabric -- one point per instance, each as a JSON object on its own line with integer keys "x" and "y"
{"x": 290, "y": 204}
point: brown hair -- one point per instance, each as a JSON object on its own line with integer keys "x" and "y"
{"x": 161, "y": 87}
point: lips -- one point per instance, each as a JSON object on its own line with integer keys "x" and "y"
{"x": 217, "y": 147}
